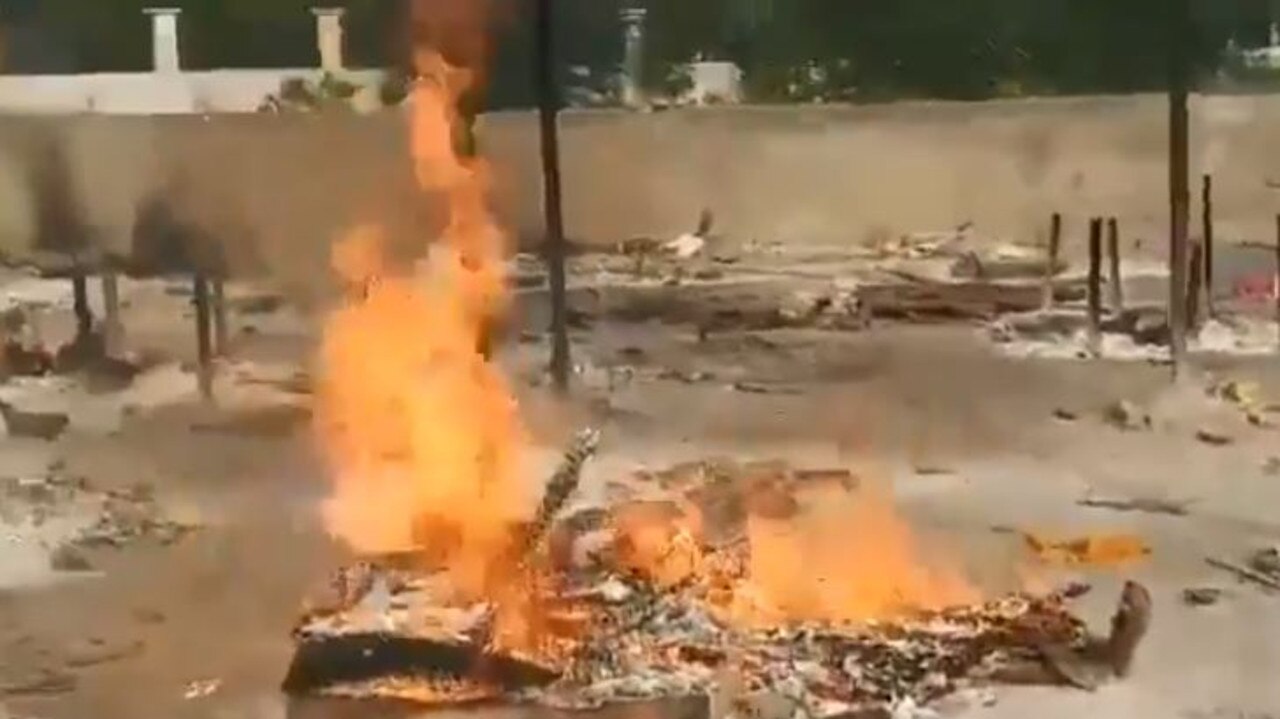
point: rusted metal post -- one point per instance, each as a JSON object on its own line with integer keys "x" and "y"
{"x": 553, "y": 243}
{"x": 113, "y": 327}
{"x": 220, "y": 330}
{"x": 1179, "y": 200}
{"x": 204, "y": 345}
{"x": 1194, "y": 287}
{"x": 1094, "y": 286}
{"x": 1051, "y": 259}
{"x": 1116, "y": 281}
{"x": 1206, "y": 201}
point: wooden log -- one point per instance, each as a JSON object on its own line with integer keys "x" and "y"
{"x": 1094, "y": 286}
{"x": 923, "y": 301}
{"x": 204, "y": 343}
{"x": 1206, "y": 198}
{"x": 1051, "y": 259}
{"x": 1116, "y": 281}
{"x": 1194, "y": 285}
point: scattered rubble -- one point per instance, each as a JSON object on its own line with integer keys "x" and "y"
{"x": 1214, "y": 437}
{"x": 1266, "y": 579}
{"x": 201, "y": 688}
{"x": 1201, "y": 596}
{"x": 1126, "y": 415}
{"x": 96, "y": 518}
{"x": 1147, "y": 505}
{"x": 67, "y": 558}
{"x": 47, "y": 426}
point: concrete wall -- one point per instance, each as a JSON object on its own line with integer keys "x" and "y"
{"x": 150, "y": 93}
{"x": 276, "y": 189}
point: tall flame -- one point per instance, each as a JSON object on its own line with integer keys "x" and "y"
{"x": 421, "y": 429}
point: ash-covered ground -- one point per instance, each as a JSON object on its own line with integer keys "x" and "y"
{"x": 214, "y": 534}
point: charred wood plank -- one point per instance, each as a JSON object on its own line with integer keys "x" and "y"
{"x": 324, "y": 662}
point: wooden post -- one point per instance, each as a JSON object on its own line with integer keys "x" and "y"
{"x": 113, "y": 328}
{"x": 1094, "y": 286}
{"x": 204, "y": 345}
{"x": 553, "y": 243}
{"x": 1051, "y": 260}
{"x": 80, "y": 303}
{"x": 1206, "y": 201}
{"x": 1113, "y": 257}
{"x": 1194, "y": 286}
{"x": 1179, "y": 200}
{"x": 220, "y": 330}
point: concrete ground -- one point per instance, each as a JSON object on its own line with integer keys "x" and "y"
{"x": 206, "y": 621}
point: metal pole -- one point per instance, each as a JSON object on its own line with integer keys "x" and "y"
{"x": 1206, "y": 201}
{"x": 1179, "y": 200}
{"x": 204, "y": 345}
{"x": 553, "y": 242}
{"x": 220, "y": 329}
{"x": 1051, "y": 260}
{"x": 113, "y": 328}
{"x": 1094, "y": 287}
{"x": 1113, "y": 258}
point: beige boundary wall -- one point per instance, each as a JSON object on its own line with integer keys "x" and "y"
{"x": 277, "y": 189}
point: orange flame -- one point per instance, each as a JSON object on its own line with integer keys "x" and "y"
{"x": 421, "y": 429}
{"x": 849, "y": 558}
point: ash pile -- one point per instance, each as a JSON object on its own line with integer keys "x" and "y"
{"x": 638, "y": 602}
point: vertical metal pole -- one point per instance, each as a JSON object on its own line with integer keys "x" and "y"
{"x": 204, "y": 347}
{"x": 80, "y": 303}
{"x": 1179, "y": 199}
{"x": 1195, "y": 271}
{"x": 1094, "y": 286}
{"x": 1275, "y": 283}
{"x": 220, "y": 331}
{"x": 1206, "y": 200}
{"x": 1051, "y": 261}
{"x": 1113, "y": 258}
{"x": 553, "y": 243}
{"x": 113, "y": 329}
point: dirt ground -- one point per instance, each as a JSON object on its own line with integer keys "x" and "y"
{"x": 967, "y": 438}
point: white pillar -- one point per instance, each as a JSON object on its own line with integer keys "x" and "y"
{"x": 633, "y": 56}
{"x": 329, "y": 37}
{"x": 164, "y": 39}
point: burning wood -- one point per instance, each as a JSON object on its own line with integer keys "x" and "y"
{"x": 615, "y": 630}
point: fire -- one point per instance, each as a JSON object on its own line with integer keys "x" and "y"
{"x": 850, "y": 557}
{"x": 844, "y": 556}
{"x": 421, "y": 429}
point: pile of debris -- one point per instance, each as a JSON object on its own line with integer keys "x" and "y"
{"x": 68, "y": 515}
{"x": 610, "y": 630}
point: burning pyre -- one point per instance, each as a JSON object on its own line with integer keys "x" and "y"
{"x": 611, "y": 630}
